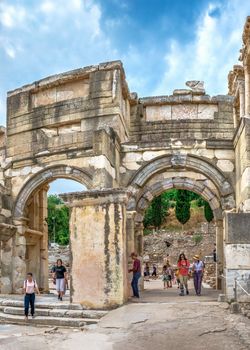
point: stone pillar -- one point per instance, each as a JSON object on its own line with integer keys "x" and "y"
{"x": 7, "y": 233}
{"x": 139, "y": 250}
{"x": 235, "y": 117}
{"x": 43, "y": 227}
{"x": 219, "y": 254}
{"x": 247, "y": 90}
{"x": 19, "y": 255}
{"x": 130, "y": 229}
{"x": 237, "y": 253}
{"x": 242, "y": 99}
{"x": 99, "y": 277}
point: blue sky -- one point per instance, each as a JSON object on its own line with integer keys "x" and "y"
{"x": 162, "y": 43}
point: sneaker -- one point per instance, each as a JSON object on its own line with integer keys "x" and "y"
{"x": 26, "y": 318}
{"x": 181, "y": 294}
{"x": 187, "y": 292}
{"x": 33, "y": 316}
{"x": 61, "y": 298}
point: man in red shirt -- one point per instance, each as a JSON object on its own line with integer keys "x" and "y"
{"x": 136, "y": 275}
{"x": 183, "y": 266}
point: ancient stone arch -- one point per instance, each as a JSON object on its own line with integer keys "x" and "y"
{"x": 157, "y": 188}
{"x": 45, "y": 176}
{"x": 86, "y": 125}
{"x": 180, "y": 162}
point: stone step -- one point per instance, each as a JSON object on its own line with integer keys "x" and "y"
{"x": 41, "y": 305}
{"x": 47, "y": 320}
{"x": 86, "y": 314}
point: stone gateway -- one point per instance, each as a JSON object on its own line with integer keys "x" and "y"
{"x": 87, "y": 126}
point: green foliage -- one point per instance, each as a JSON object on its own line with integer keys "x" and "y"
{"x": 58, "y": 220}
{"x": 197, "y": 238}
{"x": 156, "y": 212}
{"x": 182, "y": 208}
{"x": 181, "y": 200}
{"x": 200, "y": 202}
{"x": 208, "y": 213}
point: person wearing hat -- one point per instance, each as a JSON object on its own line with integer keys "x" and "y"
{"x": 198, "y": 269}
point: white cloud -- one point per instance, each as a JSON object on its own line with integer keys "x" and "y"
{"x": 12, "y": 16}
{"x": 211, "y": 54}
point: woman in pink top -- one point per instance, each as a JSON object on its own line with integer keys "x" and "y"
{"x": 29, "y": 289}
{"x": 183, "y": 266}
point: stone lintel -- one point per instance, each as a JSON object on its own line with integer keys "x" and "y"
{"x": 191, "y": 97}
{"x": 95, "y": 197}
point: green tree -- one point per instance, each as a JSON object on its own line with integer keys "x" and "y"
{"x": 156, "y": 212}
{"x": 58, "y": 220}
{"x": 200, "y": 202}
{"x": 182, "y": 208}
{"x": 208, "y": 213}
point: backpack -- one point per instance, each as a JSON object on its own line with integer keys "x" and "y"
{"x": 26, "y": 284}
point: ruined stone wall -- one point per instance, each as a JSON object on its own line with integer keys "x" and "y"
{"x": 76, "y": 118}
{"x": 98, "y": 248}
{"x": 184, "y": 123}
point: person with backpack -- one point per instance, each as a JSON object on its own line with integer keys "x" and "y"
{"x": 29, "y": 288}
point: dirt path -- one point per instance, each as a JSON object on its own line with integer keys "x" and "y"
{"x": 160, "y": 321}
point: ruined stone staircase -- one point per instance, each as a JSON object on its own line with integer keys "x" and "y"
{"x": 47, "y": 313}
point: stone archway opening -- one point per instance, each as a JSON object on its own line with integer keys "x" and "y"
{"x": 47, "y": 232}
{"x": 165, "y": 238}
{"x": 42, "y": 226}
{"x": 146, "y": 186}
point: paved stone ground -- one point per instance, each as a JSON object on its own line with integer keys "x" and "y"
{"x": 161, "y": 320}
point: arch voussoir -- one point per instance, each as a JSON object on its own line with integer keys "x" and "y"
{"x": 47, "y": 175}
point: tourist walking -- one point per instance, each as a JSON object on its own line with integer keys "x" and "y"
{"x": 136, "y": 274}
{"x": 183, "y": 267}
{"x": 198, "y": 269}
{"x": 146, "y": 272}
{"x": 29, "y": 288}
{"x": 154, "y": 273}
{"x": 165, "y": 276}
{"x": 170, "y": 274}
{"x": 59, "y": 273}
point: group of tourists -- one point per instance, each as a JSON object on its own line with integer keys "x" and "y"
{"x": 30, "y": 287}
{"x": 183, "y": 272}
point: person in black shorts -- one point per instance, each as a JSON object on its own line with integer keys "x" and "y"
{"x": 59, "y": 273}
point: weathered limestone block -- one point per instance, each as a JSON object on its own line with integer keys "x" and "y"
{"x": 5, "y": 285}
{"x": 98, "y": 242}
{"x": 238, "y": 256}
{"x": 154, "y": 113}
{"x": 237, "y": 228}
{"x": 148, "y": 155}
{"x": 224, "y": 154}
{"x": 225, "y": 165}
{"x": 188, "y": 111}
{"x": 19, "y": 273}
{"x": 206, "y": 111}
